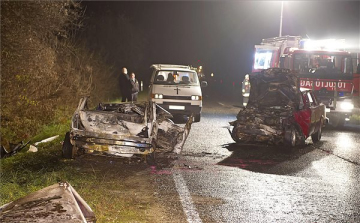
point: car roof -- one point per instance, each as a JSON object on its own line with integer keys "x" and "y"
{"x": 172, "y": 67}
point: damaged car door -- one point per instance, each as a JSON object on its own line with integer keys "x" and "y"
{"x": 123, "y": 129}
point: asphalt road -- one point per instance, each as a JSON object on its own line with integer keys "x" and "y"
{"x": 214, "y": 180}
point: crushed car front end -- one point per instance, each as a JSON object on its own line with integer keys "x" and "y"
{"x": 115, "y": 129}
{"x": 269, "y": 115}
{"x": 123, "y": 129}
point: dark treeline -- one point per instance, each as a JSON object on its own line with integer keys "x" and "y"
{"x": 51, "y": 55}
{"x": 113, "y": 36}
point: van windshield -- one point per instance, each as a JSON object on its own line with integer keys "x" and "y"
{"x": 171, "y": 77}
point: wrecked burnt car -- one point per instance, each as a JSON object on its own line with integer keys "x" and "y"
{"x": 56, "y": 203}
{"x": 278, "y": 112}
{"x": 123, "y": 129}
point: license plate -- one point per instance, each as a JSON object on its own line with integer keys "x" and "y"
{"x": 176, "y": 107}
{"x": 122, "y": 149}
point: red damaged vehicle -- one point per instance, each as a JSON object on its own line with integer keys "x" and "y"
{"x": 278, "y": 112}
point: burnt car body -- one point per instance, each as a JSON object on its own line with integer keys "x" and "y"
{"x": 56, "y": 203}
{"x": 278, "y": 112}
{"x": 123, "y": 129}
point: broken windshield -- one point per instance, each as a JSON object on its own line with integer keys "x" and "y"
{"x": 322, "y": 64}
{"x": 171, "y": 77}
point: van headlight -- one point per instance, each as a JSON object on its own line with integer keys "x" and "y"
{"x": 195, "y": 97}
{"x": 158, "y": 96}
{"x": 345, "y": 105}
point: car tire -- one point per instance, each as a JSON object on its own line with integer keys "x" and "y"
{"x": 150, "y": 159}
{"x": 67, "y": 148}
{"x": 197, "y": 118}
{"x": 290, "y": 137}
{"x": 315, "y": 137}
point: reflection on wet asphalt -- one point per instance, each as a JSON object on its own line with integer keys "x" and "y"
{"x": 233, "y": 183}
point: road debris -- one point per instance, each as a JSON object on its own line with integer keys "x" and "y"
{"x": 33, "y": 149}
{"x": 46, "y": 140}
{"x": 14, "y": 148}
{"x": 56, "y": 203}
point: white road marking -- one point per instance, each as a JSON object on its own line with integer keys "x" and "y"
{"x": 221, "y": 104}
{"x": 191, "y": 214}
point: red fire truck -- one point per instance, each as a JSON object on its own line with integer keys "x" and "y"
{"x": 323, "y": 66}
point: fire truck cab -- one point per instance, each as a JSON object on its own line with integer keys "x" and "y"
{"x": 322, "y": 65}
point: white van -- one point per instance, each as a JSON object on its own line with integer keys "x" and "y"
{"x": 177, "y": 89}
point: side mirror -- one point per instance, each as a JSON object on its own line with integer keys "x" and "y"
{"x": 203, "y": 84}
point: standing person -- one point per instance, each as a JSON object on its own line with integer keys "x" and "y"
{"x": 134, "y": 87}
{"x": 125, "y": 86}
{"x": 246, "y": 90}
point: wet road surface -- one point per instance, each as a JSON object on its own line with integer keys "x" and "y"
{"x": 215, "y": 180}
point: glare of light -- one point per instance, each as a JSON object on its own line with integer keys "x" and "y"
{"x": 158, "y": 96}
{"x": 262, "y": 60}
{"x": 212, "y": 74}
{"x": 344, "y": 142}
{"x": 195, "y": 97}
{"x": 325, "y": 44}
{"x": 345, "y": 105}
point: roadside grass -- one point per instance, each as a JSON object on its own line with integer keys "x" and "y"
{"x": 105, "y": 184}
{"x": 142, "y": 96}
{"x": 109, "y": 196}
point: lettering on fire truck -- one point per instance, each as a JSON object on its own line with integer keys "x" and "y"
{"x": 329, "y": 85}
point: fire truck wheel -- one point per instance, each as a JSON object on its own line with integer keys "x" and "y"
{"x": 290, "y": 136}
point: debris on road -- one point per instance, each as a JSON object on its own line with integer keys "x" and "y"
{"x": 46, "y": 140}
{"x": 33, "y": 149}
{"x": 14, "y": 148}
{"x": 56, "y": 203}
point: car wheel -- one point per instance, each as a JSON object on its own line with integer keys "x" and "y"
{"x": 197, "y": 118}
{"x": 67, "y": 148}
{"x": 317, "y": 135}
{"x": 150, "y": 159}
{"x": 290, "y": 136}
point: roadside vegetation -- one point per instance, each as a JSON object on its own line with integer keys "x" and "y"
{"x": 114, "y": 194}
{"x": 46, "y": 67}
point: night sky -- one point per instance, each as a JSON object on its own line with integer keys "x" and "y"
{"x": 220, "y": 35}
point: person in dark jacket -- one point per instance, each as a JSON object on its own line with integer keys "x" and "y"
{"x": 134, "y": 87}
{"x": 125, "y": 86}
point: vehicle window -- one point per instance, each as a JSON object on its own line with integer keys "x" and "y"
{"x": 262, "y": 59}
{"x": 306, "y": 100}
{"x": 312, "y": 100}
{"x": 311, "y": 63}
{"x": 168, "y": 77}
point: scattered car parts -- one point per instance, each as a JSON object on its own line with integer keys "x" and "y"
{"x": 56, "y": 203}
{"x": 14, "y": 148}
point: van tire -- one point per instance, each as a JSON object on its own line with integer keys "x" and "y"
{"x": 197, "y": 118}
